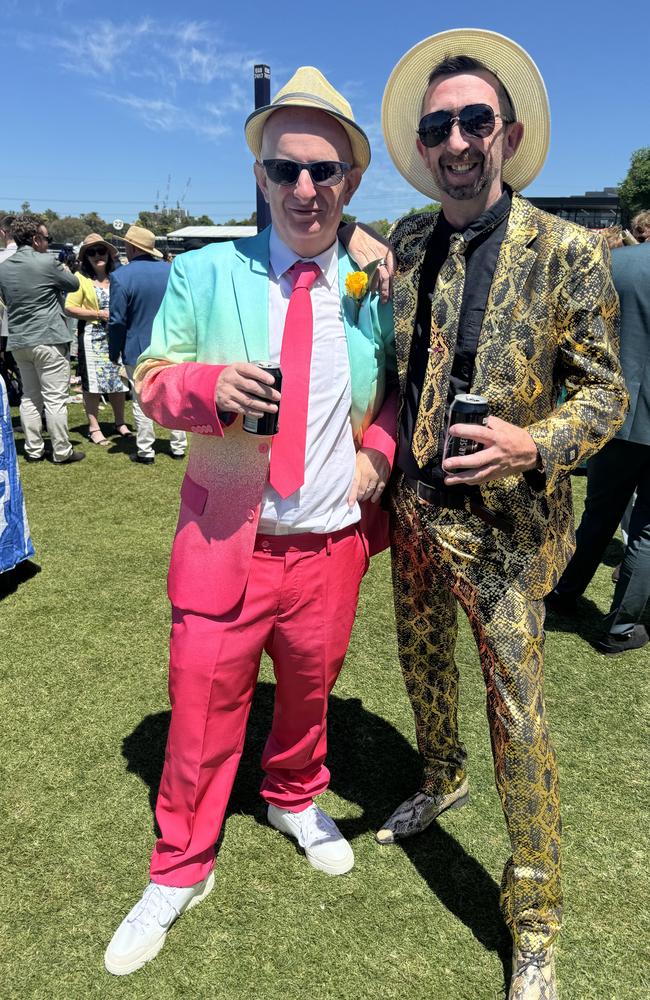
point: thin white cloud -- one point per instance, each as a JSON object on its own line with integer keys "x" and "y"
{"x": 184, "y": 58}
{"x": 164, "y": 116}
{"x": 101, "y": 48}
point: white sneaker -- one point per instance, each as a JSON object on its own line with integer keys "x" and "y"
{"x": 142, "y": 933}
{"x": 324, "y": 845}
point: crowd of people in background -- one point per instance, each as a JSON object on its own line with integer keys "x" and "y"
{"x": 55, "y": 310}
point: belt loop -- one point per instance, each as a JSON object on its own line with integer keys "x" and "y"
{"x": 328, "y": 545}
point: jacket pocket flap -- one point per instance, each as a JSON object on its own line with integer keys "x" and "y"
{"x": 194, "y": 496}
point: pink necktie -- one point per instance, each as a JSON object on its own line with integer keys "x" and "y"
{"x": 287, "y": 471}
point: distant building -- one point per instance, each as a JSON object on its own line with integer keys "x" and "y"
{"x": 594, "y": 209}
{"x": 194, "y": 237}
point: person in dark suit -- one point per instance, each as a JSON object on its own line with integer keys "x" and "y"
{"x": 616, "y": 472}
{"x": 136, "y": 294}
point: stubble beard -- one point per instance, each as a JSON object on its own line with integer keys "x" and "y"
{"x": 468, "y": 191}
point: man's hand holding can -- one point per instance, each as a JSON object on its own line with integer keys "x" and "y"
{"x": 246, "y": 388}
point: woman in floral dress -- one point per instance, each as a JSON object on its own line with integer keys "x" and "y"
{"x": 99, "y": 376}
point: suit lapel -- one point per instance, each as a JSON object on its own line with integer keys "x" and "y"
{"x": 511, "y": 273}
{"x": 359, "y": 333}
{"x": 250, "y": 275}
{"x": 405, "y": 291}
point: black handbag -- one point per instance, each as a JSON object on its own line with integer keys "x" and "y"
{"x": 11, "y": 377}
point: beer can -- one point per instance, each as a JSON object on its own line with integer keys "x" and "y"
{"x": 465, "y": 409}
{"x": 266, "y": 424}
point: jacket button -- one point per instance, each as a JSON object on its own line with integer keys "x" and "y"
{"x": 262, "y": 448}
{"x": 251, "y": 515}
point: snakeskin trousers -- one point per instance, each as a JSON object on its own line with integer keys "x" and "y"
{"x": 442, "y": 558}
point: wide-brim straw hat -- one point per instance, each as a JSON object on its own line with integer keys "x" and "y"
{"x": 308, "y": 88}
{"x": 401, "y": 107}
{"x": 93, "y": 240}
{"x": 143, "y": 239}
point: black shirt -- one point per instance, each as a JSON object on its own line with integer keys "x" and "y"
{"x": 483, "y": 241}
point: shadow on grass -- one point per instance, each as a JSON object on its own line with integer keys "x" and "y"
{"x": 586, "y": 621}
{"x": 12, "y": 579}
{"x": 373, "y": 766}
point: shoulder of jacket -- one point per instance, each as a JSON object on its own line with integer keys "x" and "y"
{"x": 562, "y": 230}
{"x": 410, "y": 235}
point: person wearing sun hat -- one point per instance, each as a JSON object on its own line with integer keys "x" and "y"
{"x": 275, "y": 530}
{"x": 495, "y": 299}
{"x": 136, "y": 294}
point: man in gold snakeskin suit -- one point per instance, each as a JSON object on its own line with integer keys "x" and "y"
{"x": 496, "y": 298}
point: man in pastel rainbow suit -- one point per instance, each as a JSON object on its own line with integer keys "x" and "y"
{"x": 274, "y": 533}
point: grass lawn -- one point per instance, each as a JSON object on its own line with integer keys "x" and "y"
{"x": 84, "y": 715}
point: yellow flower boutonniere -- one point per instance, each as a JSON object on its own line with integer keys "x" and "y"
{"x": 357, "y": 285}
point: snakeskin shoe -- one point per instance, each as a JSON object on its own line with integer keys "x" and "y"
{"x": 533, "y": 976}
{"x": 418, "y": 812}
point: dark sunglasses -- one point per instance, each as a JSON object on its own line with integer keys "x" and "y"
{"x": 48, "y": 239}
{"x": 326, "y": 173}
{"x": 477, "y": 120}
{"x": 97, "y": 252}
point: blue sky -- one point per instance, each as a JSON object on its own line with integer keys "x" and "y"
{"x": 102, "y": 103}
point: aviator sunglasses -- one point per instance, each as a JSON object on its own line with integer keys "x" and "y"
{"x": 325, "y": 173}
{"x": 477, "y": 120}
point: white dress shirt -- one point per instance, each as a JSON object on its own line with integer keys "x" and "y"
{"x": 320, "y": 505}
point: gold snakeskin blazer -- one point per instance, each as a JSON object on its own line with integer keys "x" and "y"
{"x": 551, "y": 321}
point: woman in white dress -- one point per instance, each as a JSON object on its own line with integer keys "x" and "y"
{"x": 99, "y": 376}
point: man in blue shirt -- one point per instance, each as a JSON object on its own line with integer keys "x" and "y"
{"x": 136, "y": 294}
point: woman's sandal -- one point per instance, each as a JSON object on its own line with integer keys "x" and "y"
{"x": 102, "y": 441}
{"x": 123, "y": 434}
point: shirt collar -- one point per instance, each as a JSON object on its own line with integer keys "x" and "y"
{"x": 489, "y": 219}
{"x": 282, "y": 257}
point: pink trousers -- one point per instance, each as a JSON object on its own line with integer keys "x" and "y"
{"x": 299, "y": 606}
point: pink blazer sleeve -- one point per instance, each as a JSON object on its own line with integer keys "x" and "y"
{"x": 182, "y": 396}
{"x": 382, "y": 432}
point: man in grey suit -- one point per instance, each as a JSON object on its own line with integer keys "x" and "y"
{"x": 32, "y": 287}
{"x": 616, "y": 472}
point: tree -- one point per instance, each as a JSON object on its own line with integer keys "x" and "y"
{"x": 94, "y": 222}
{"x": 69, "y": 229}
{"x": 347, "y": 218}
{"x": 380, "y": 226}
{"x": 634, "y": 192}
{"x": 251, "y": 221}
{"x": 25, "y": 207}
{"x": 432, "y": 206}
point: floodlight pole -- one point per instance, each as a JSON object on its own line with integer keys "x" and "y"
{"x": 262, "y": 78}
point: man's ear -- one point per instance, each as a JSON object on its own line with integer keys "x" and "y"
{"x": 352, "y": 182}
{"x": 260, "y": 177}
{"x": 512, "y": 141}
{"x": 422, "y": 150}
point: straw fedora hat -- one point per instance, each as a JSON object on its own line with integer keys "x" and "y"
{"x": 407, "y": 85}
{"x": 308, "y": 88}
{"x": 142, "y": 239}
{"x": 93, "y": 240}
